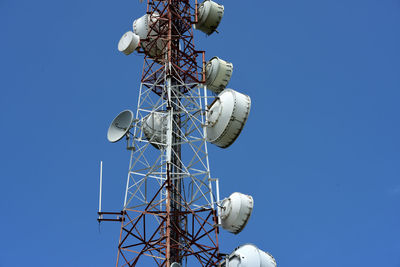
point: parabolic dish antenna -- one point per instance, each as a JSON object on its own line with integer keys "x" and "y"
{"x": 227, "y": 117}
{"x": 146, "y": 27}
{"x": 155, "y": 128}
{"x": 141, "y": 26}
{"x": 236, "y": 211}
{"x": 120, "y": 126}
{"x": 128, "y": 43}
{"x": 218, "y": 74}
{"x": 249, "y": 256}
{"x": 210, "y": 15}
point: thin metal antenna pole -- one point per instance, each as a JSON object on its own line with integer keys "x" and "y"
{"x": 169, "y": 163}
{"x": 205, "y": 122}
{"x": 101, "y": 184}
{"x": 218, "y": 200}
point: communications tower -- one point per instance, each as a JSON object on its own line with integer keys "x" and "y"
{"x": 172, "y": 210}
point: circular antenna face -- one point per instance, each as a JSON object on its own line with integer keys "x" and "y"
{"x": 141, "y": 26}
{"x": 250, "y": 256}
{"x": 146, "y": 28}
{"x": 128, "y": 43}
{"x": 236, "y": 211}
{"x": 155, "y": 127}
{"x": 227, "y": 117}
{"x": 218, "y": 74}
{"x": 210, "y": 15}
{"x": 120, "y": 126}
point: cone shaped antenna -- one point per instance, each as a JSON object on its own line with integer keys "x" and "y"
{"x": 120, "y": 126}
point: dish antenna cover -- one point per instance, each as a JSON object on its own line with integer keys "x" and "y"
{"x": 128, "y": 43}
{"x": 141, "y": 25}
{"x": 120, "y": 126}
{"x": 218, "y": 74}
{"x": 209, "y": 16}
{"x": 145, "y": 28}
{"x": 226, "y": 117}
{"x": 155, "y": 128}
{"x": 236, "y": 211}
{"x": 250, "y": 256}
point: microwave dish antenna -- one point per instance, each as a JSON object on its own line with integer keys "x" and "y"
{"x": 249, "y": 256}
{"x": 226, "y": 117}
{"x": 146, "y": 27}
{"x": 120, "y": 126}
{"x": 142, "y": 25}
{"x": 128, "y": 43}
{"x": 218, "y": 74}
{"x": 209, "y": 16}
{"x": 236, "y": 211}
{"x": 155, "y": 128}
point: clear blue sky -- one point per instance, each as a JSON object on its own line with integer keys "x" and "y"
{"x": 320, "y": 153}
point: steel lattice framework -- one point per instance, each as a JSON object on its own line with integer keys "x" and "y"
{"x": 169, "y": 211}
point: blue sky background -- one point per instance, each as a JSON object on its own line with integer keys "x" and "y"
{"x": 320, "y": 153}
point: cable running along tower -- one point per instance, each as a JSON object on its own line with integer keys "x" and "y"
{"x": 172, "y": 211}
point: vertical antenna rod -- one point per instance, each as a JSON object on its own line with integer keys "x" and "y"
{"x": 101, "y": 184}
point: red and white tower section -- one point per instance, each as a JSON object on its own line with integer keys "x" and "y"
{"x": 172, "y": 211}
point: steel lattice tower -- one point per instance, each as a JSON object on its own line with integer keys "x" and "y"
{"x": 169, "y": 216}
{"x": 169, "y": 210}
